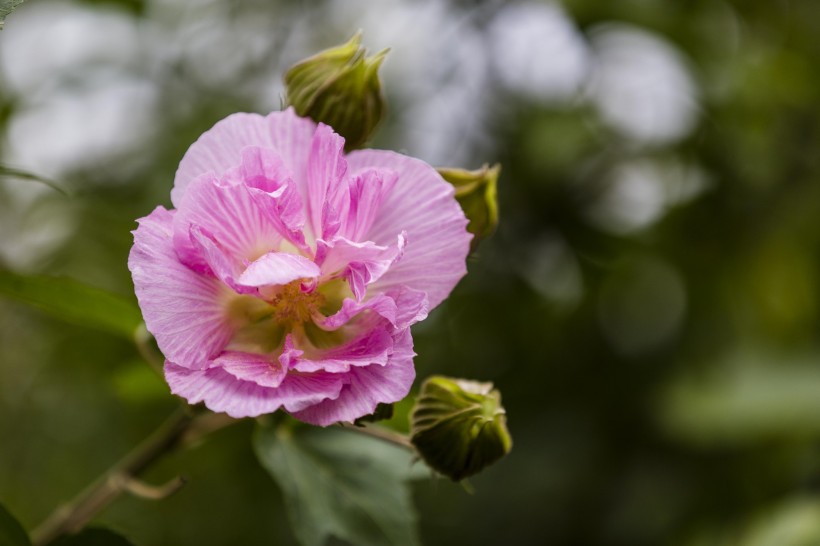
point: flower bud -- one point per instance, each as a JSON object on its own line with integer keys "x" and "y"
{"x": 339, "y": 87}
{"x": 476, "y": 193}
{"x": 459, "y": 426}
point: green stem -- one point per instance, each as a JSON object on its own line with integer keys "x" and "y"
{"x": 144, "y": 342}
{"x": 182, "y": 428}
{"x": 381, "y": 433}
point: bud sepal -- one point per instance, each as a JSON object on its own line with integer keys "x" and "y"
{"x": 459, "y": 427}
{"x": 476, "y": 192}
{"x": 340, "y": 87}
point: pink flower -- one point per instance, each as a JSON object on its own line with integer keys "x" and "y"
{"x": 289, "y": 274}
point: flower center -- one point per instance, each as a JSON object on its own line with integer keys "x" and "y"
{"x": 260, "y": 325}
{"x": 293, "y": 306}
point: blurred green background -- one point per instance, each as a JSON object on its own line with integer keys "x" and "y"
{"x": 648, "y": 307}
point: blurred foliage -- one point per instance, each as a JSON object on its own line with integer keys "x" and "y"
{"x": 74, "y": 302}
{"x": 11, "y": 533}
{"x": 6, "y": 7}
{"x": 338, "y": 484}
{"x": 648, "y": 305}
{"x": 93, "y": 537}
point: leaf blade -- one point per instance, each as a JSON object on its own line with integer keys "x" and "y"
{"x": 6, "y": 7}
{"x": 341, "y": 484}
{"x": 11, "y": 532}
{"x": 73, "y": 301}
{"x": 93, "y": 536}
{"x": 11, "y": 172}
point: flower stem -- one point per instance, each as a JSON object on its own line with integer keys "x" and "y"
{"x": 182, "y": 428}
{"x": 381, "y": 433}
{"x": 144, "y": 342}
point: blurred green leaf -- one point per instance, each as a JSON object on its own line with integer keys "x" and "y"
{"x": 93, "y": 537}
{"x": 137, "y": 384}
{"x": 6, "y": 7}
{"x": 10, "y": 172}
{"x": 11, "y": 532}
{"x": 339, "y": 483}
{"x": 750, "y": 397}
{"x": 73, "y": 301}
{"x": 793, "y": 522}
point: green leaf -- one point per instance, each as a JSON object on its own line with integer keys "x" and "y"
{"x": 73, "y": 301}
{"x": 10, "y": 172}
{"x": 340, "y": 483}
{"x": 751, "y": 396}
{"x": 93, "y": 537}
{"x": 135, "y": 383}
{"x": 6, "y": 7}
{"x": 11, "y": 532}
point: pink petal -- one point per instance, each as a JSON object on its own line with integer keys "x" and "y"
{"x": 222, "y": 392}
{"x": 367, "y": 387}
{"x": 401, "y": 307}
{"x": 181, "y": 308}
{"x": 278, "y": 268}
{"x": 218, "y": 149}
{"x": 252, "y": 367}
{"x": 365, "y": 194}
{"x": 325, "y": 169}
{"x": 371, "y": 348}
{"x": 218, "y": 262}
{"x": 264, "y": 169}
{"x": 361, "y": 263}
{"x": 290, "y": 353}
{"x": 421, "y": 203}
{"x": 229, "y": 215}
{"x": 271, "y": 186}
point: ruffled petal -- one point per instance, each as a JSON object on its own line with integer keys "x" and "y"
{"x": 371, "y": 348}
{"x": 421, "y": 203}
{"x": 222, "y": 392}
{"x": 184, "y": 310}
{"x": 402, "y": 307}
{"x": 361, "y": 263}
{"x": 259, "y": 369}
{"x": 229, "y": 215}
{"x": 325, "y": 170}
{"x": 219, "y": 148}
{"x": 367, "y": 387}
{"x": 264, "y": 169}
{"x": 272, "y": 187}
{"x": 289, "y": 353}
{"x": 278, "y": 268}
{"x": 207, "y": 250}
{"x": 365, "y": 193}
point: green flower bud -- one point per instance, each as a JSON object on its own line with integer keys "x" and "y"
{"x": 339, "y": 87}
{"x": 476, "y": 193}
{"x": 459, "y": 426}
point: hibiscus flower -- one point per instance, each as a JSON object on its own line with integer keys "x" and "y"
{"x": 288, "y": 274}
